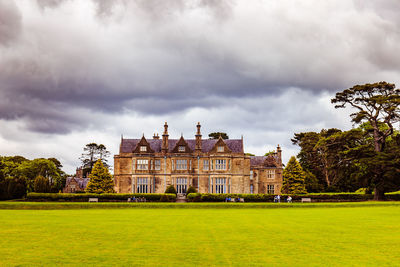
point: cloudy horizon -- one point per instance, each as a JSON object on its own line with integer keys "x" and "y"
{"x": 74, "y": 72}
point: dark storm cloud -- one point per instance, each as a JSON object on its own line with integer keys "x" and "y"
{"x": 10, "y": 22}
{"x": 158, "y": 57}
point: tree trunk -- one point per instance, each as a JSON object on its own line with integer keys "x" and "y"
{"x": 379, "y": 194}
{"x": 326, "y": 174}
{"x": 378, "y": 146}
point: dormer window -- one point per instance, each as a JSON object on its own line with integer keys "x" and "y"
{"x": 220, "y": 149}
{"x": 181, "y": 148}
{"x": 143, "y": 148}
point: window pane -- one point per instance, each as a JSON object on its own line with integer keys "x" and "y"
{"x": 220, "y": 185}
{"x": 181, "y": 185}
{"x": 206, "y": 164}
{"x": 220, "y": 164}
{"x": 181, "y": 164}
{"x": 157, "y": 164}
{"x": 142, "y": 164}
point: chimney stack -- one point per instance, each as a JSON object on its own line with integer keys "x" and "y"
{"x": 165, "y": 135}
{"x": 156, "y": 136}
{"x": 279, "y": 155}
{"x": 198, "y": 138}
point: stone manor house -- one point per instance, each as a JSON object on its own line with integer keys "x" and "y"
{"x": 210, "y": 165}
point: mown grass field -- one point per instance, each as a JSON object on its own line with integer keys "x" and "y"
{"x": 158, "y": 234}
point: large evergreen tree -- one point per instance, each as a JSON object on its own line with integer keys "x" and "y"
{"x": 100, "y": 179}
{"x": 378, "y": 104}
{"x": 293, "y": 178}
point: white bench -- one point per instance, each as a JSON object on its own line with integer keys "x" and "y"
{"x": 93, "y": 199}
{"x": 305, "y": 199}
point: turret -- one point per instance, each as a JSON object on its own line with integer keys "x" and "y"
{"x": 165, "y": 135}
{"x": 198, "y": 138}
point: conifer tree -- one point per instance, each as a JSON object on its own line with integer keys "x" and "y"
{"x": 100, "y": 179}
{"x": 293, "y": 178}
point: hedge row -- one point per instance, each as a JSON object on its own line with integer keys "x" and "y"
{"x": 197, "y": 197}
{"x": 101, "y": 197}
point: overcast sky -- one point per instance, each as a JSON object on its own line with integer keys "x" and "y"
{"x": 74, "y": 72}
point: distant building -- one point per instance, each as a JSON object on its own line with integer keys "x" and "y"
{"x": 210, "y": 165}
{"x": 77, "y": 183}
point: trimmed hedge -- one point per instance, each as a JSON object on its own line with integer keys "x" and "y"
{"x": 393, "y": 196}
{"x": 102, "y": 197}
{"x": 197, "y": 197}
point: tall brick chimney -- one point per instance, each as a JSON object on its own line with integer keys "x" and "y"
{"x": 279, "y": 155}
{"x": 198, "y": 138}
{"x": 165, "y": 135}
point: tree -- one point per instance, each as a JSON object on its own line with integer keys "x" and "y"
{"x": 41, "y": 167}
{"x": 190, "y": 190}
{"x": 100, "y": 179}
{"x": 41, "y": 185}
{"x": 12, "y": 188}
{"x": 377, "y": 103}
{"x": 92, "y": 153}
{"x": 269, "y": 153}
{"x": 249, "y": 154}
{"x": 311, "y": 183}
{"x": 314, "y": 156}
{"x": 170, "y": 190}
{"x": 293, "y": 178}
{"x": 216, "y": 135}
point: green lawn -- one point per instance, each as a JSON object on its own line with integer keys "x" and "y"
{"x": 350, "y": 234}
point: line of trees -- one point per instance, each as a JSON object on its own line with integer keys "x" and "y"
{"x": 367, "y": 156}
{"x": 19, "y": 175}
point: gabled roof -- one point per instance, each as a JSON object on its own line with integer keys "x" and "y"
{"x": 220, "y": 142}
{"x": 182, "y": 142}
{"x": 263, "y": 161}
{"x": 128, "y": 145}
{"x": 82, "y": 182}
{"x": 143, "y": 142}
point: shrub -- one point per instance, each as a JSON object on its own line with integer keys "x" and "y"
{"x": 197, "y": 197}
{"x": 393, "y": 196}
{"x": 194, "y": 197}
{"x": 190, "y": 190}
{"x": 170, "y": 190}
{"x": 164, "y": 198}
{"x": 110, "y": 197}
{"x": 361, "y": 190}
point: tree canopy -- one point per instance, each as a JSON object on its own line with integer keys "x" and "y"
{"x": 18, "y": 174}
{"x": 92, "y": 153}
{"x": 216, "y": 135}
{"x": 379, "y": 105}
